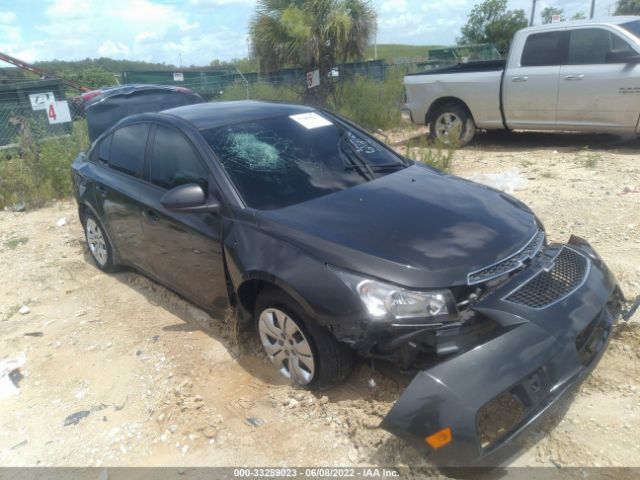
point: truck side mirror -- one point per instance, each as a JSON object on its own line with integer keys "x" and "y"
{"x": 622, "y": 56}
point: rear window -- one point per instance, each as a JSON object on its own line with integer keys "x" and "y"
{"x": 127, "y": 149}
{"x": 632, "y": 27}
{"x": 542, "y": 49}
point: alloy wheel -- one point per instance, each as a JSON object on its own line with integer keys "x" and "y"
{"x": 96, "y": 241}
{"x": 447, "y": 124}
{"x": 286, "y": 345}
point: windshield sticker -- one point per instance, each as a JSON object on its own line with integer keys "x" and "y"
{"x": 310, "y": 120}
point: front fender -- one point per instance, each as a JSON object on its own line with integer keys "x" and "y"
{"x": 319, "y": 291}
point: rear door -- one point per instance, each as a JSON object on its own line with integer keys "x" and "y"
{"x": 184, "y": 249}
{"x": 593, "y": 93}
{"x": 530, "y": 84}
{"x": 117, "y": 189}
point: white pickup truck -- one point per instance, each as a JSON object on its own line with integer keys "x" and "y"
{"x": 572, "y": 76}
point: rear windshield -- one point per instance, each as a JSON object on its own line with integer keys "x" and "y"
{"x": 632, "y": 27}
{"x": 281, "y": 161}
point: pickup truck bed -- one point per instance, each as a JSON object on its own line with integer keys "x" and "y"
{"x": 485, "y": 66}
{"x": 568, "y": 76}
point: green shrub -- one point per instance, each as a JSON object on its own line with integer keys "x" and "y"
{"x": 373, "y": 104}
{"x": 370, "y": 103}
{"x": 41, "y": 169}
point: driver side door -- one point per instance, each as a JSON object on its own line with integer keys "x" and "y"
{"x": 595, "y": 94}
{"x": 184, "y": 249}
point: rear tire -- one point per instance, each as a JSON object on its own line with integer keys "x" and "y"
{"x": 302, "y": 351}
{"x": 98, "y": 243}
{"x": 452, "y": 125}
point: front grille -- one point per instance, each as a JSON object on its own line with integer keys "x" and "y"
{"x": 550, "y": 286}
{"x": 508, "y": 264}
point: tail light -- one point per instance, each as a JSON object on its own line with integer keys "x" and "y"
{"x": 89, "y": 95}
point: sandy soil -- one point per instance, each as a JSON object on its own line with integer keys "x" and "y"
{"x": 120, "y": 371}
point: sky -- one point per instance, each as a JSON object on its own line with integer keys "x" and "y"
{"x": 198, "y": 31}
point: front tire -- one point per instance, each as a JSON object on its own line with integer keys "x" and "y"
{"x": 451, "y": 125}
{"x": 98, "y": 243}
{"x": 302, "y": 351}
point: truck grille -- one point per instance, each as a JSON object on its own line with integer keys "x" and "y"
{"x": 568, "y": 272}
{"x": 508, "y": 264}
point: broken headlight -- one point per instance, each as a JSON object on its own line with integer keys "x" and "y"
{"x": 384, "y": 300}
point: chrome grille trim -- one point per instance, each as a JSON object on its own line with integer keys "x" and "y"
{"x": 509, "y": 264}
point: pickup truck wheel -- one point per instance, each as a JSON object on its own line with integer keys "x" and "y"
{"x": 303, "y": 352}
{"x": 451, "y": 125}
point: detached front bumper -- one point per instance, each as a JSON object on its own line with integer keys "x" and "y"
{"x": 544, "y": 352}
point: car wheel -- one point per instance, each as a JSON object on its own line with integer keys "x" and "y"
{"x": 303, "y": 352}
{"x": 452, "y": 125}
{"x": 98, "y": 244}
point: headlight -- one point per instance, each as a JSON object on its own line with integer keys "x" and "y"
{"x": 383, "y": 300}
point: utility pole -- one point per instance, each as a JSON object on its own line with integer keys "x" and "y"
{"x": 533, "y": 12}
{"x": 593, "y": 7}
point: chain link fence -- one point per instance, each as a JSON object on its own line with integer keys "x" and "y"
{"x": 18, "y": 118}
{"x": 35, "y": 155}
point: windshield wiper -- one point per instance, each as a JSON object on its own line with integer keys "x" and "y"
{"x": 356, "y": 162}
{"x": 388, "y": 166}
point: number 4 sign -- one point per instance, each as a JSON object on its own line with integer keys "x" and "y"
{"x": 58, "y": 112}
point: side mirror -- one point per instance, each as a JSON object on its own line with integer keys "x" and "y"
{"x": 622, "y": 56}
{"x": 189, "y": 198}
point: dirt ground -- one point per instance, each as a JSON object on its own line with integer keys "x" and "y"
{"x": 119, "y": 371}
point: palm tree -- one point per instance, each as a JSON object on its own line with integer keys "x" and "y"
{"x": 628, "y": 7}
{"x": 314, "y": 34}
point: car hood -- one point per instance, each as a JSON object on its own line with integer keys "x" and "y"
{"x": 415, "y": 227}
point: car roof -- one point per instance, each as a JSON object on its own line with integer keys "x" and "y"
{"x": 131, "y": 89}
{"x": 217, "y": 114}
{"x": 579, "y": 23}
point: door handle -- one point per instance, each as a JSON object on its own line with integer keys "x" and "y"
{"x": 574, "y": 77}
{"x": 519, "y": 79}
{"x": 150, "y": 216}
{"x": 100, "y": 190}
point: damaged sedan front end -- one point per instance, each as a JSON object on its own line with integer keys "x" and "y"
{"x": 554, "y": 322}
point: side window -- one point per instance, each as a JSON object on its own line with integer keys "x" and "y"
{"x": 174, "y": 162}
{"x": 127, "y": 148}
{"x": 100, "y": 152}
{"x": 104, "y": 149}
{"x": 589, "y": 46}
{"x": 542, "y": 49}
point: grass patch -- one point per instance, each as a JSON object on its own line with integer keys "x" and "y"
{"x": 15, "y": 242}
{"x": 11, "y": 311}
{"x": 436, "y": 154}
{"x": 588, "y": 158}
